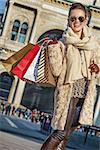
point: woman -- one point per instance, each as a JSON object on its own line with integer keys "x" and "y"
{"x": 73, "y": 61}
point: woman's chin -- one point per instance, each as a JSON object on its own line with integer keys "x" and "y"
{"x": 76, "y": 30}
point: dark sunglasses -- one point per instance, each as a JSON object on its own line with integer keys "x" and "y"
{"x": 80, "y": 18}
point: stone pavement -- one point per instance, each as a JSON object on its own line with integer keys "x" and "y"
{"x": 10, "y": 141}
{"x": 28, "y": 136}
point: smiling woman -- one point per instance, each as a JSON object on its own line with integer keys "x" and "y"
{"x": 73, "y": 61}
{"x": 77, "y": 19}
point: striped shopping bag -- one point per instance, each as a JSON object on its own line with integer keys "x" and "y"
{"x": 44, "y": 75}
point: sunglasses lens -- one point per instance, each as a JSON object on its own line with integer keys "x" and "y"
{"x": 81, "y": 19}
{"x": 72, "y": 19}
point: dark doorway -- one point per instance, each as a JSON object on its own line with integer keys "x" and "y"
{"x": 38, "y": 97}
{"x": 6, "y": 81}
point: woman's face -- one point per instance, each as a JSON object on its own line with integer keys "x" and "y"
{"x": 77, "y": 20}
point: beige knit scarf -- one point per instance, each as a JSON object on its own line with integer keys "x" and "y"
{"x": 87, "y": 42}
{"x": 79, "y": 50}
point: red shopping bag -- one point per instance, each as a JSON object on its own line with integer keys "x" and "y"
{"x": 21, "y": 68}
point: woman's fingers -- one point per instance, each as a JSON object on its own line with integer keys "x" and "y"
{"x": 53, "y": 42}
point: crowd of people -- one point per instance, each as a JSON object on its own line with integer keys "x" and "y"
{"x": 35, "y": 116}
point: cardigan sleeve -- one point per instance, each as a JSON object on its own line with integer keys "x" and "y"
{"x": 96, "y": 57}
{"x": 56, "y": 53}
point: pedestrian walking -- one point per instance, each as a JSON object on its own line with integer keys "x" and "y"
{"x": 8, "y": 109}
{"x": 74, "y": 61}
{"x": 13, "y": 110}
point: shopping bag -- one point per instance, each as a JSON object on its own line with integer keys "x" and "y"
{"x": 39, "y": 71}
{"x": 31, "y": 74}
{"x": 21, "y": 68}
{"x": 44, "y": 75}
{"x": 15, "y": 58}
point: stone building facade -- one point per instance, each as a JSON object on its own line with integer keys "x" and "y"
{"x": 31, "y": 20}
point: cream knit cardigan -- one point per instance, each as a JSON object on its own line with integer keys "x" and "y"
{"x": 70, "y": 64}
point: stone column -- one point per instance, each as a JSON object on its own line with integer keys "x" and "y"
{"x": 19, "y": 93}
{"x": 12, "y": 90}
{"x": 2, "y": 69}
{"x": 29, "y": 30}
{"x": 33, "y": 38}
{"x": 9, "y": 14}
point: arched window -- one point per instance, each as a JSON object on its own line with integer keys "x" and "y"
{"x": 15, "y": 30}
{"x": 23, "y": 32}
{"x": 51, "y": 34}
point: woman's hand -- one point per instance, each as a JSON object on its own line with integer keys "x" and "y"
{"x": 53, "y": 42}
{"x": 94, "y": 68}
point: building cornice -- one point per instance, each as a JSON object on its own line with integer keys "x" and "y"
{"x": 58, "y": 3}
{"x": 94, "y": 8}
{"x": 55, "y": 9}
{"x": 29, "y": 3}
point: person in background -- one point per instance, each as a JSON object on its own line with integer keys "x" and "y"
{"x": 13, "y": 110}
{"x": 75, "y": 62}
{"x": 34, "y": 115}
{"x": 8, "y": 109}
